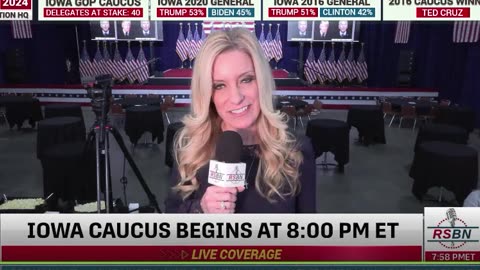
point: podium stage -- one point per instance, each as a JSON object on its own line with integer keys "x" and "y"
{"x": 183, "y": 76}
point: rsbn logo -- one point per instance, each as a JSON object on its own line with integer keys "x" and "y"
{"x": 452, "y": 232}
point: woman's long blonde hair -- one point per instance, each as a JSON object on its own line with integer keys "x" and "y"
{"x": 195, "y": 144}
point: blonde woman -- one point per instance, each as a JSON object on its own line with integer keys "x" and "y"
{"x": 232, "y": 89}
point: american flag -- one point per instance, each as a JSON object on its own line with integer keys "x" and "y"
{"x": 309, "y": 68}
{"x": 362, "y": 69}
{"x": 196, "y": 42}
{"x": 322, "y": 73}
{"x": 204, "y": 35}
{"x": 130, "y": 65}
{"x": 277, "y": 45}
{"x": 181, "y": 46}
{"x": 86, "y": 67}
{"x": 263, "y": 42}
{"x": 142, "y": 71}
{"x": 466, "y": 31}
{"x": 107, "y": 61}
{"x": 120, "y": 68}
{"x": 210, "y": 26}
{"x": 269, "y": 44}
{"x": 189, "y": 42}
{"x": 402, "y": 33}
{"x": 350, "y": 64}
{"x": 341, "y": 71}
{"x": 22, "y": 29}
{"x": 332, "y": 65}
{"x": 98, "y": 63}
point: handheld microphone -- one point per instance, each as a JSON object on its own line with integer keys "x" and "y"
{"x": 226, "y": 170}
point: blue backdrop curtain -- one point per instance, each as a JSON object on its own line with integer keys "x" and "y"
{"x": 439, "y": 63}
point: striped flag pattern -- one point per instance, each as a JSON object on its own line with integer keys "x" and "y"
{"x": 341, "y": 70}
{"x": 204, "y": 35}
{"x": 277, "y": 47}
{"x": 466, "y": 31}
{"x": 361, "y": 67}
{"x": 322, "y": 73}
{"x": 262, "y": 42}
{"x": 22, "y": 29}
{"x": 196, "y": 43}
{"x": 85, "y": 66}
{"x": 402, "y": 33}
{"x": 107, "y": 61}
{"x": 130, "y": 65}
{"x": 142, "y": 66}
{"x": 309, "y": 69}
{"x": 350, "y": 65}
{"x": 98, "y": 63}
{"x": 189, "y": 42}
{"x": 120, "y": 68}
{"x": 209, "y": 26}
{"x": 332, "y": 65}
{"x": 269, "y": 44}
{"x": 181, "y": 46}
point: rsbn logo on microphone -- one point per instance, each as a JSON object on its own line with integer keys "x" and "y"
{"x": 452, "y": 232}
{"x": 226, "y": 174}
{"x": 236, "y": 175}
{"x": 214, "y": 174}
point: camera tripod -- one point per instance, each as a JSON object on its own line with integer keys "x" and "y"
{"x": 100, "y": 133}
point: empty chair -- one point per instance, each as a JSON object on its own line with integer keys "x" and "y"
{"x": 445, "y": 102}
{"x": 292, "y": 114}
{"x": 304, "y": 112}
{"x": 408, "y": 112}
{"x": 317, "y": 107}
{"x": 430, "y": 116}
{"x": 168, "y": 103}
{"x": 388, "y": 110}
{"x": 117, "y": 113}
{"x": 425, "y": 98}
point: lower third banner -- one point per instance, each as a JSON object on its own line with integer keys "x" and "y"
{"x": 203, "y": 238}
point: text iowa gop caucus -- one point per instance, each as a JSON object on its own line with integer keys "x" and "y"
{"x": 90, "y": 3}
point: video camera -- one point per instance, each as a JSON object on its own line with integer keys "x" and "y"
{"x": 99, "y": 90}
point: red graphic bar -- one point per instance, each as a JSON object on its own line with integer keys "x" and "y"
{"x": 452, "y": 256}
{"x": 293, "y": 12}
{"x": 209, "y": 253}
{"x": 92, "y": 12}
{"x": 181, "y": 12}
{"x": 15, "y": 4}
{"x": 443, "y": 12}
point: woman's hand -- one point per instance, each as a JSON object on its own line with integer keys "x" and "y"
{"x": 219, "y": 199}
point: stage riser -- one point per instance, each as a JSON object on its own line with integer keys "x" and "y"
{"x": 182, "y": 96}
{"x": 187, "y": 81}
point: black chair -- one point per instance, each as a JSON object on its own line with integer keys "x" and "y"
{"x": 447, "y": 165}
{"x": 69, "y": 172}
{"x": 59, "y": 130}
{"x": 172, "y": 129}
{"x": 330, "y": 135}
{"x": 141, "y": 119}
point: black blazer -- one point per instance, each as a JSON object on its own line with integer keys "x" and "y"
{"x": 250, "y": 201}
{"x": 316, "y": 36}
{"x": 98, "y": 33}
{"x": 297, "y": 35}
{"x": 121, "y": 35}
{"x": 348, "y": 35}
{"x": 140, "y": 33}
